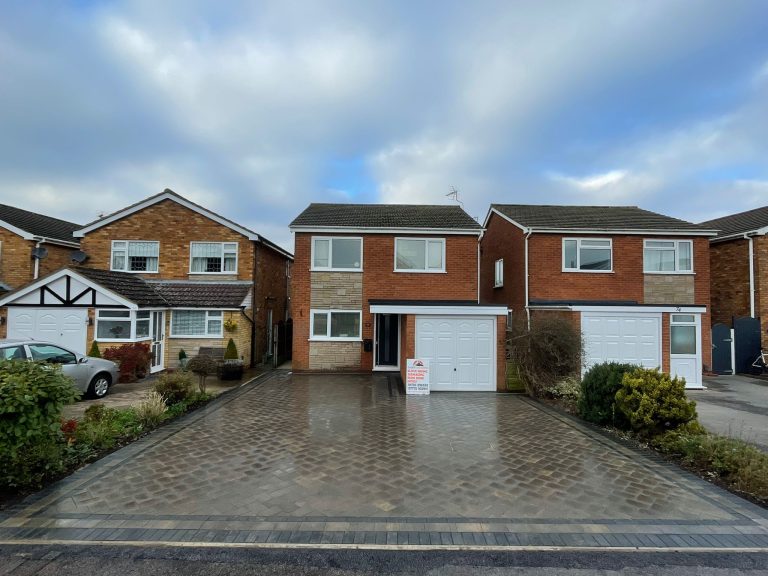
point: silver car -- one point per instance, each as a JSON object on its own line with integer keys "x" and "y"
{"x": 92, "y": 376}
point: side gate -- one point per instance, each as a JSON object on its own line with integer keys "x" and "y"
{"x": 746, "y": 334}
{"x": 722, "y": 341}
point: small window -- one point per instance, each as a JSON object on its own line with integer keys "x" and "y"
{"x": 213, "y": 258}
{"x": 509, "y": 319}
{"x": 135, "y": 255}
{"x": 587, "y": 255}
{"x": 683, "y": 334}
{"x": 335, "y": 324}
{"x": 113, "y": 325}
{"x": 52, "y": 354}
{"x": 142, "y": 324}
{"x": 668, "y": 256}
{"x": 345, "y": 254}
{"x": 419, "y": 255}
{"x": 498, "y": 273}
{"x": 197, "y": 323}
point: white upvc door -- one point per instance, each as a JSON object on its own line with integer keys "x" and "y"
{"x": 685, "y": 348}
{"x": 158, "y": 342}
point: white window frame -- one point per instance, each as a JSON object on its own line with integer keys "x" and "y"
{"x": 223, "y": 272}
{"x": 126, "y": 268}
{"x": 330, "y": 268}
{"x": 328, "y": 336}
{"x": 695, "y": 323}
{"x": 578, "y": 255}
{"x": 677, "y": 255}
{"x": 131, "y": 319}
{"x": 426, "y": 270}
{"x": 207, "y": 335}
{"x": 498, "y": 273}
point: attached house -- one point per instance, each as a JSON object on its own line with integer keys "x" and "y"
{"x": 739, "y": 261}
{"x": 164, "y": 271}
{"x": 32, "y": 245}
{"x": 635, "y": 282}
{"x": 375, "y": 285}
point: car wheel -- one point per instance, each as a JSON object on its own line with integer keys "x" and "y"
{"x": 99, "y": 386}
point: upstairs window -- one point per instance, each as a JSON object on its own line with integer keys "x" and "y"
{"x": 213, "y": 258}
{"x": 498, "y": 273}
{"x": 587, "y": 255}
{"x": 340, "y": 254}
{"x": 419, "y": 255}
{"x": 668, "y": 256}
{"x": 135, "y": 255}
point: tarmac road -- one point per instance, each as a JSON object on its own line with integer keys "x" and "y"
{"x": 64, "y": 560}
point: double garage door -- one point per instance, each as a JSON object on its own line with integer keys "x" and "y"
{"x": 461, "y": 351}
{"x": 64, "y": 326}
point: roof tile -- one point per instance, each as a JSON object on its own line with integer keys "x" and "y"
{"x": 417, "y": 216}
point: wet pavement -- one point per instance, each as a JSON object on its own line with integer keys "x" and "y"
{"x": 347, "y": 460}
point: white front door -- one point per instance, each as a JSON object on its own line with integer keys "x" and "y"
{"x": 158, "y": 337}
{"x": 64, "y": 326}
{"x": 633, "y": 338}
{"x": 685, "y": 348}
{"x": 461, "y": 351}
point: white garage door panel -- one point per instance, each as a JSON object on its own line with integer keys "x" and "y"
{"x": 635, "y": 339}
{"x": 461, "y": 352}
{"x": 65, "y": 326}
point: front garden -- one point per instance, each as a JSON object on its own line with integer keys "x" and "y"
{"x": 647, "y": 407}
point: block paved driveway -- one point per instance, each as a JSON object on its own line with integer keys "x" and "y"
{"x": 308, "y": 460}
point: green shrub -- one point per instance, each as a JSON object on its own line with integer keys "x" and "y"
{"x": 231, "y": 352}
{"x": 32, "y": 396}
{"x": 653, "y": 402}
{"x": 152, "y": 410}
{"x": 545, "y": 354}
{"x": 598, "y": 393}
{"x": 203, "y": 366}
{"x": 174, "y": 386}
{"x": 568, "y": 391}
{"x": 742, "y": 466}
{"x": 104, "y": 428}
{"x": 182, "y": 354}
{"x": 94, "y": 352}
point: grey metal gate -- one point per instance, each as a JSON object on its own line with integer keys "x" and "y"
{"x": 746, "y": 335}
{"x": 722, "y": 362}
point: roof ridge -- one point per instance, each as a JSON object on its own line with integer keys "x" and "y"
{"x": 736, "y": 215}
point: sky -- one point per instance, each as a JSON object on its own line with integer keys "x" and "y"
{"x": 255, "y": 109}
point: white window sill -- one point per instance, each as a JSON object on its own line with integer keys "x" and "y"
{"x": 233, "y": 273}
{"x": 656, "y": 273}
{"x": 206, "y": 337}
{"x": 135, "y": 271}
{"x": 419, "y": 271}
{"x": 335, "y": 269}
{"x": 498, "y": 285}
{"x": 122, "y": 340}
{"x": 589, "y": 271}
{"x": 316, "y": 339}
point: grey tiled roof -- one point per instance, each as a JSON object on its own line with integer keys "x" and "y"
{"x": 740, "y": 223}
{"x": 203, "y": 294}
{"x": 386, "y": 216}
{"x": 38, "y": 224}
{"x": 592, "y": 218}
{"x": 129, "y": 286}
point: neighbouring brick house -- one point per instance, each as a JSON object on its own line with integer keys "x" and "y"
{"x": 374, "y": 285}
{"x": 739, "y": 264}
{"x": 164, "y": 271}
{"x": 635, "y": 282}
{"x": 32, "y": 245}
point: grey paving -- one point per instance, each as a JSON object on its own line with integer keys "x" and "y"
{"x": 342, "y": 460}
{"x": 735, "y": 406}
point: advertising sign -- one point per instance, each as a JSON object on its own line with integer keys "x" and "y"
{"x": 417, "y": 376}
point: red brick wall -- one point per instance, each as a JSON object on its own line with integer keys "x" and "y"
{"x": 300, "y": 300}
{"x": 271, "y": 293}
{"x": 502, "y": 239}
{"x": 16, "y": 265}
{"x": 58, "y": 257}
{"x": 174, "y": 226}
{"x": 761, "y": 282}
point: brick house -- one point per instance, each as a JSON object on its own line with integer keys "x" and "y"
{"x": 32, "y": 245}
{"x": 374, "y": 285}
{"x": 164, "y": 271}
{"x": 739, "y": 264}
{"x": 635, "y": 282}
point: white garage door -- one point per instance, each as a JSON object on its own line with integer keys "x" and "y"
{"x": 64, "y": 326}
{"x": 461, "y": 351}
{"x": 618, "y": 337}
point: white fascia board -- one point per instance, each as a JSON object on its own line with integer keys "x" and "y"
{"x": 159, "y": 198}
{"x": 628, "y": 309}
{"x": 446, "y": 310}
{"x": 46, "y": 240}
{"x": 8, "y": 300}
{"x": 414, "y": 231}
{"x": 628, "y": 232}
{"x": 505, "y": 217}
{"x": 741, "y": 235}
{"x": 18, "y": 231}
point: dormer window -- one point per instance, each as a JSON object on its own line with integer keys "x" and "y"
{"x": 135, "y": 255}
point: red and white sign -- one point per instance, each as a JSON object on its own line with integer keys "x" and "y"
{"x": 417, "y": 376}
